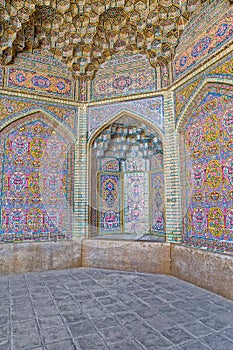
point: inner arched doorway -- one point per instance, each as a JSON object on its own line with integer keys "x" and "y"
{"x": 127, "y": 182}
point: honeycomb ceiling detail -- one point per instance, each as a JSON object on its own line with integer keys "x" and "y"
{"x": 86, "y": 33}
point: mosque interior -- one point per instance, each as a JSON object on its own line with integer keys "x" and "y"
{"x": 116, "y": 125}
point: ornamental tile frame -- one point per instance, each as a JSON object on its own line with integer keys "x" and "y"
{"x": 217, "y": 33}
{"x": 30, "y": 73}
{"x": 1, "y": 75}
{"x": 20, "y": 106}
{"x": 25, "y": 79}
{"x": 171, "y": 173}
{"x": 220, "y": 70}
{"x": 149, "y": 108}
{"x": 122, "y": 76}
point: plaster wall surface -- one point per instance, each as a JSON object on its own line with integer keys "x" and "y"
{"x": 205, "y": 269}
{"x": 127, "y": 256}
{"x": 39, "y": 256}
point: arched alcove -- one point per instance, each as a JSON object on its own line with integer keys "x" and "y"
{"x": 36, "y": 162}
{"x": 126, "y": 180}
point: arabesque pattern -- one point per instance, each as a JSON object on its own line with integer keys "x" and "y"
{"x": 207, "y": 146}
{"x": 35, "y": 190}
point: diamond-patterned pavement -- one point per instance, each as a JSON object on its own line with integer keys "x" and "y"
{"x": 93, "y": 309}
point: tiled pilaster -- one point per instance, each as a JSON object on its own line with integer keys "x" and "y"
{"x": 80, "y": 177}
{"x": 171, "y": 174}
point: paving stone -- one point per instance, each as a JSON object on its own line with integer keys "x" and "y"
{"x": 198, "y": 329}
{"x": 51, "y": 335}
{"x": 194, "y": 345}
{"x": 113, "y": 334}
{"x": 108, "y": 300}
{"x": 89, "y": 304}
{"x": 145, "y": 311}
{"x": 182, "y": 304}
{"x": 141, "y": 331}
{"x": 155, "y": 342}
{"x": 179, "y": 317}
{"x": 97, "y": 312}
{"x": 101, "y": 293}
{"x": 106, "y": 322}
{"x": 22, "y": 316}
{"x": 24, "y": 326}
{"x": 127, "y": 344}
{"x": 5, "y": 344}
{"x": 93, "y": 342}
{"x": 228, "y": 333}
{"x": 17, "y": 299}
{"x": 62, "y": 345}
{"x": 197, "y": 312}
{"x": 26, "y": 340}
{"x": 81, "y": 328}
{"x": 160, "y": 323}
{"x": 76, "y": 317}
{"x": 22, "y": 307}
{"x": 69, "y": 309}
{"x": 218, "y": 342}
{"x": 4, "y": 330}
{"x": 45, "y": 301}
{"x": 225, "y": 315}
{"x": 215, "y": 323}
{"x": 165, "y": 308}
{"x": 117, "y": 307}
{"x": 39, "y": 294}
{"x": 127, "y": 317}
{"x": 177, "y": 335}
{"x": 45, "y": 311}
{"x": 50, "y": 322}
{"x": 61, "y": 301}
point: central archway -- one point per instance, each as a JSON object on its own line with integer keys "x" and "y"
{"x": 126, "y": 180}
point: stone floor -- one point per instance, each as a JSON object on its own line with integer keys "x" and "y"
{"x": 98, "y": 309}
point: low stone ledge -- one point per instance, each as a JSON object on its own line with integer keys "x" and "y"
{"x": 148, "y": 257}
{"x": 39, "y": 256}
{"x": 209, "y": 270}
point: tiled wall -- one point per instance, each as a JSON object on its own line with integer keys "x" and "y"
{"x": 206, "y": 168}
{"x": 38, "y": 86}
{"x": 211, "y": 30}
{"x": 124, "y": 76}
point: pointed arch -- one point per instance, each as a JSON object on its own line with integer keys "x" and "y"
{"x": 38, "y": 151}
{"x": 48, "y": 116}
{"x": 136, "y": 169}
{"x": 119, "y": 115}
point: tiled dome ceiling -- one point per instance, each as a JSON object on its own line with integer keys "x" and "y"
{"x": 86, "y": 33}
